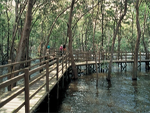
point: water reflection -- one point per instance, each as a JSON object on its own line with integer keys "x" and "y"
{"x": 109, "y": 85}
{"x": 121, "y": 95}
{"x": 135, "y": 91}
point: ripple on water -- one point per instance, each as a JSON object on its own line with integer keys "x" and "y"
{"x": 121, "y": 95}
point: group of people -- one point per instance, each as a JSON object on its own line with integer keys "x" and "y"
{"x": 62, "y": 49}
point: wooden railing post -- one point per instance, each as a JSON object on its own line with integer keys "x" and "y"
{"x": 132, "y": 56}
{"x": 47, "y": 76}
{"x": 77, "y": 56}
{"x": 62, "y": 64}
{"x": 26, "y": 83}
{"x": 62, "y": 71}
{"x": 57, "y": 68}
{"x": 86, "y": 55}
{"x": 121, "y": 55}
{"x": 9, "y": 77}
{"x": 99, "y": 56}
{"x": 66, "y": 61}
{"x": 140, "y": 56}
{"x": 126, "y": 56}
{"x": 106, "y": 55}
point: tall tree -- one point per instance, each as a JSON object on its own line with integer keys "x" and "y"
{"x": 25, "y": 33}
{"x": 69, "y": 33}
{"x": 143, "y": 38}
{"x": 94, "y": 48}
{"x": 135, "y": 64}
{"x": 15, "y": 26}
{"x": 114, "y": 38}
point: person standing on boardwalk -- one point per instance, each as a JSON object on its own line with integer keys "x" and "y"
{"x": 47, "y": 52}
{"x": 64, "y": 49}
{"x": 61, "y": 49}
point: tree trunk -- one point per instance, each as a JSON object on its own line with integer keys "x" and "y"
{"x": 102, "y": 29}
{"x": 114, "y": 38}
{"x": 119, "y": 35}
{"x": 69, "y": 32}
{"x": 94, "y": 46}
{"x": 132, "y": 31}
{"x": 25, "y": 33}
{"x": 15, "y": 28}
{"x": 135, "y": 64}
{"x": 8, "y": 30}
{"x": 145, "y": 45}
{"x": 102, "y": 24}
{"x": 82, "y": 43}
{"x": 119, "y": 40}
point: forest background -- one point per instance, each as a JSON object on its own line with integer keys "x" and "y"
{"x": 31, "y": 25}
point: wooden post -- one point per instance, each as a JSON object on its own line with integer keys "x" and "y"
{"x": 26, "y": 81}
{"x": 57, "y": 68}
{"x": 66, "y": 61}
{"x": 121, "y": 55}
{"x": 9, "y": 77}
{"x": 140, "y": 57}
{"x": 132, "y": 56}
{"x": 77, "y": 56}
{"x": 47, "y": 76}
{"x": 96, "y": 68}
{"x": 126, "y": 61}
{"x": 63, "y": 71}
{"x": 58, "y": 90}
{"x": 86, "y": 62}
{"x": 62, "y": 64}
{"x": 126, "y": 56}
{"x": 140, "y": 60}
{"x": 99, "y": 57}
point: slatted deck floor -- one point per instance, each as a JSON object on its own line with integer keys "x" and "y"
{"x": 36, "y": 100}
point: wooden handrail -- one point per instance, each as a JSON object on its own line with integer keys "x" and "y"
{"x": 47, "y": 67}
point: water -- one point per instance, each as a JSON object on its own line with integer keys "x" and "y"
{"x": 121, "y": 95}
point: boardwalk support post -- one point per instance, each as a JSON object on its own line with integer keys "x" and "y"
{"x": 57, "y": 69}
{"x": 47, "y": 82}
{"x": 9, "y": 71}
{"x": 26, "y": 81}
{"x": 62, "y": 71}
{"x": 86, "y": 55}
{"x": 47, "y": 77}
{"x": 57, "y": 73}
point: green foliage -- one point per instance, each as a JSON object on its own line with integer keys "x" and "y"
{"x": 45, "y": 13}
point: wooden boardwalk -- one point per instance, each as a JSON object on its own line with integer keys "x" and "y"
{"x": 26, "y": 97}
{"x": 36, "y": 100}
{"x": 14, "y": 101}
{"x": 107, "y": 61}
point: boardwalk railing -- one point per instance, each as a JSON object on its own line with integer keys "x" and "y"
{"x": 90, "y": 56}
{"x": 29, "y": 83}
{"x": 29, "y": 78}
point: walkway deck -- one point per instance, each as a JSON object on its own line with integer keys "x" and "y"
{"x": 13, "y": 100}
{"x": 37, "y": 99}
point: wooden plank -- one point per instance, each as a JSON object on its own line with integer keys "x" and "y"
{"x": 37, "y": 99}
{"x": 10, "y": 81}
{"x": 40, "y": 95}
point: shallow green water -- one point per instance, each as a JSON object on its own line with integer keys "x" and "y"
{"x": 122, "y": 95}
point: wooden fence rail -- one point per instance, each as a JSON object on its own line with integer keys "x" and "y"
{"x": 51, "y": 69}
{"x": 46, "y": 76}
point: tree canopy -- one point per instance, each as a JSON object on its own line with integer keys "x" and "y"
{"x": 50, "y": 19}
